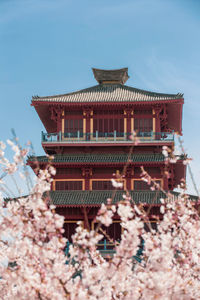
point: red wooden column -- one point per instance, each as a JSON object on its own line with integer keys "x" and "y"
{"x": 128, "y": 115}
{"x": 63, "y": 122}
{"x": 87, "y": 174}
{"x": 168, "y": 177}
{"x": 171, "y": 183}
{"x": 164, "y": 174}
{"x": 156, "y": 118}
{"x": 129, "y": 175}
{"x": 88, "y": 122}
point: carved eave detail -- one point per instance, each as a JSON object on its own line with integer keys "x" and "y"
{"x": 161, "y": 114}
{"x": 86, "y": 172}
{"x": 87, "y": 112}
{"x": 56, "y": 112}
{"x": 129, "y": 172}
{"x": 128, "y": 113}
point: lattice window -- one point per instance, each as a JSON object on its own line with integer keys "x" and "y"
{"x": 73, "y": 123}
{"x": 143, "y": 125}
{"x": 102, "y": 185}
{"x": 69, "y": 185}
{"x": 140, "y": 185}
{"x": 150, "y": 170}
{"x": 108, "y": 122}
{"x": 143, "y": 122}
{"x": 113, "y": 231}
{"x": 72, "y": 127}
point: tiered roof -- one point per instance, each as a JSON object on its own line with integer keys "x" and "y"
{"x": 96, "y": 198}
{"x": 99, "y": 158}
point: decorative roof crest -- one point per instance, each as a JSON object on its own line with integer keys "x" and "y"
{"x": 111, "y": 76}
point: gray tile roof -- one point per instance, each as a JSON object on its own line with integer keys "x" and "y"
{"x": 100, "y": 158}
{"x": 96, "y": 198}
{"x": 108, "y": 93}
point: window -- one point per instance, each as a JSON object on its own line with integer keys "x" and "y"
{"x": 143, "y": 127}
{"x": 113, "y": 231}
{"x": 143, "y": 122}
{"x": 106, "y": 122}
{"x": 152, "y": 171}
{"x": 72, "y": 127}
{"x": 73, "y": 124}
{"x": 68, "y": 185}
{"x": 140, "y": 185}
{"x": 102, "y": 185}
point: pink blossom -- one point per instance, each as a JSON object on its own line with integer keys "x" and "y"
{"x": 117, "y": 184}
{"x": 33, "y": 264}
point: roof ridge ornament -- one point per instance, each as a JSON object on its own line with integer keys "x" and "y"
{"x": 118, "y": 76}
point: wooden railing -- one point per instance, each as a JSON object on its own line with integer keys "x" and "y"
{"x": 105, "y": 137}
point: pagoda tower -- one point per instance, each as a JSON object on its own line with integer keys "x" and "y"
{"x": 89, "y": 131}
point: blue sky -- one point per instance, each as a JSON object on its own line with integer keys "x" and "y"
{"x": 49, "y": 47}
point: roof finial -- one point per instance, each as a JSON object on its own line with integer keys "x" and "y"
{"x": 119, "y": 76}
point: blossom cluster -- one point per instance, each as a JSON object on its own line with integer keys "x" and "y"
{"x": 33, "y": 264}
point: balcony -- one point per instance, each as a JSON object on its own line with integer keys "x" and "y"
{"x": 105, "y": 137}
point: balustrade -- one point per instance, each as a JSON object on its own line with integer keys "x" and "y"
{"x": 99, "y": 137}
